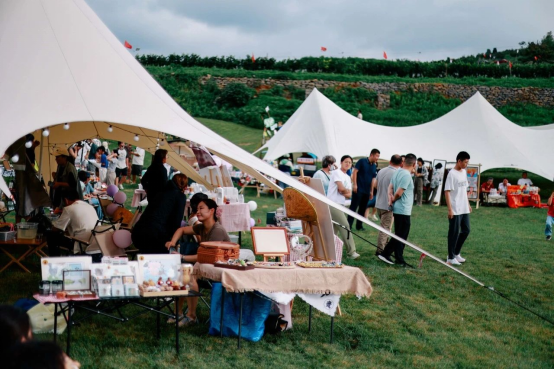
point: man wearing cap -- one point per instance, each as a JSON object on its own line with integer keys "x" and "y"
{"x": 65, "y": 178}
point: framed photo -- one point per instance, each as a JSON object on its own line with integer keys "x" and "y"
{"x": 270, "y": 241}
{"x": 156, "y": 266}
{"x": 473, "y": 181}
{"x": 128, "y": 279}
{"x": 76, "y": 280}
{"x": 52, "y": 268}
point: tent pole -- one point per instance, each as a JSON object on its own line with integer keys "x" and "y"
{"x": 40, "y": 158}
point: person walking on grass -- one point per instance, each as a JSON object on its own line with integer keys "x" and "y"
{"x": 455, "y": 191}
{"x": 549, "y": 217}
{"x": 401, "y": 198}
{"x": 382, "y": 203}
{"x": 363, "y": 184}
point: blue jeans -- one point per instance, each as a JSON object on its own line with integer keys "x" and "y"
{"x": 548, "y": 229}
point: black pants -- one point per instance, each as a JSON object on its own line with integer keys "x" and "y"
{"x": 401, "y": 229}
{"x": 55, "y": 239}
{"x": 458, "y": 231}
{"x": 359, "y": 202}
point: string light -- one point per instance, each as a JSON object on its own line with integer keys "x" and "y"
{"x": 110, "y": 129}
{"x": 136, "y": 138}
{"x": 162, "y": 142}
{"x": 45, "y": 132}
{"x": 15, "y": 158}
{"x": 66, "y": 126}
{"x": 29, "y": 144}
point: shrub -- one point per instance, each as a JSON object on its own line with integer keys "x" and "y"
{"x": 235, "y": 95}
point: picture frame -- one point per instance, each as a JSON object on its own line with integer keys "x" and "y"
{"x": 270, "y": 241}
{"x": 154, "y": 266}
{"x": 128, "y": 279}
{"x": 52, "y": 268}
{"x": 76, "y": 280}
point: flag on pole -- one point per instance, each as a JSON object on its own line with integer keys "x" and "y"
{"x": 128, "y": 45}
{"x": 536, "y": 58}
{"x": 510, "y": 65}
{"x": 385, "y": 55}
{"x": 253, "y": 58}
{"x": 323, "y": 48}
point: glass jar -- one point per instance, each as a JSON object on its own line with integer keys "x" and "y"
{"x": 56, "y": 286}
{"x": 44, "y": 288}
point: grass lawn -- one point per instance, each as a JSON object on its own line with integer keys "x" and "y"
{"x": 247, "y": 138}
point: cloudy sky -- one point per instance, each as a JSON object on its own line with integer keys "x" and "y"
{"x": 413, "y": 29}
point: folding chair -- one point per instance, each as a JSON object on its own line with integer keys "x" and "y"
{"x": 103, "y": 238}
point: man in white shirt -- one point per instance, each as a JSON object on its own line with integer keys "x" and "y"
{"x": 382, "y": 203}
{"x": 455, "y": 191}
{"x": 524, "y": 181}
{"x": 137, "y": 163}
{"x": 78, "y": 219}
{"x": 503, "y": 187}
{"x": 121, "y": 167}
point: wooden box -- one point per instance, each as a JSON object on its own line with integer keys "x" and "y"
{"x": 210, "y": 252}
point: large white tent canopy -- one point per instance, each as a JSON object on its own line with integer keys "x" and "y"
{"x": 321, "y": 127}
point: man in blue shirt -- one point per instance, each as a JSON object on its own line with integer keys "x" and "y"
{"x": 401, "y": 193}
{"x": 363, "y": 185}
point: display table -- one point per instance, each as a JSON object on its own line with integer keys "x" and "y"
{"x": 520, "y": 201}
{"x": 338, "y": 281}
{"x": 493, "y": 199}
{"x": 301, "y": 281}
{"x": 34, "y": 246}
{"x": 107, "y": 305}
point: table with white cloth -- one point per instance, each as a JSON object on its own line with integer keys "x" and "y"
{"x": 319, "y": 287}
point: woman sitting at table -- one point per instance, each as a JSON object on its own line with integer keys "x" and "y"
{"x": 88, "y": 192}
{"x": 162, "y": 217}
{"x": 209, "y": 230}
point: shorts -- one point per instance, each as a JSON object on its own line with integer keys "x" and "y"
{"x": 110, "y": 178}
{"x": 136, "y": 170}
{"x": 120, "y": 172}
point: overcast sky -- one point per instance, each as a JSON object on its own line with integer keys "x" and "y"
{"x": 413, "y": 29}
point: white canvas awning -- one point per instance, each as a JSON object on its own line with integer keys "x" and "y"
{"x": 321, "y": 127}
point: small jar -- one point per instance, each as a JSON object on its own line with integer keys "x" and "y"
{"x": 56, "y": 286}
{"x": 44, "y": 288}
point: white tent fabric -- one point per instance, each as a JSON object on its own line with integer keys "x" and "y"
{"x": 59, "y": 63}
{"x": 321, "y": 127}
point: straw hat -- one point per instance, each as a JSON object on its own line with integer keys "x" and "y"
{"x": 58, "y": 151}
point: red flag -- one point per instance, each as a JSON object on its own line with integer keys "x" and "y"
{"x": 323, "y": 48}
{"x": 128, "y": 45}
{"x": 385, "y": 55}
{"x": 510, "y": 65}
{"x": 536, "y": 58}
{"x": 484, "y": 56}
{"x": 253, "y": 58}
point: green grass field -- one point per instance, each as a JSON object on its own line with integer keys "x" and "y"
{"x": 424, "y": 317}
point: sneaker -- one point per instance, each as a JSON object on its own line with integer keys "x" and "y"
{"x": 172, "y": 320}
{"x": 453, "y": 262}
{"x": 459, "y": 258}
{"x": 186, "y": 322}
{"x": 354, "y": 256}
{"x": 548, "y": 238}
{"x": 386, "y": 259}
{"x": 121, "y": 187}
{"x": 374, "y": 218}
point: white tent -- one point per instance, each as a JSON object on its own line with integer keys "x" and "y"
{"x": 321, "y": 127}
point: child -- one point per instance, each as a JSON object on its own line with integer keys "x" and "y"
{"x": 549, "y": 217}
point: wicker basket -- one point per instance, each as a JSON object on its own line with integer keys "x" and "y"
{"x": 211, "y": 252}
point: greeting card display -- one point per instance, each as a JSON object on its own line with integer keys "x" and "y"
{"x": 160, "y": 275}
{"x": 52, "y": 268}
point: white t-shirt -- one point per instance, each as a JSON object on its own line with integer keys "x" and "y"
{"x": 524, "y": 181}
{"x": 503, "y": 188}
{"x": 121, "y": 156}
{"x": 456, "y": 183}
{"x": 360, "y": 116}
{"x": 333, "y": 191}
{"x": 138, "y": 160}
{"x": 78, "y": 219}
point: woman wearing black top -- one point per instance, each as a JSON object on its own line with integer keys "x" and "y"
{"x": 162, "y": 217}
{"x": 155, "y": 178}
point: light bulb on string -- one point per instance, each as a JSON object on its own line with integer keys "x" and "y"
{"x": 15, "y": 158}
{"x": 110, "y": 129}
{"x": 45, "y": 132}
{"x": 29, "y": 144}
{"x": 66, "y": 126}
{"x": 162, "y": 142}
{"x": 136, "y": 138}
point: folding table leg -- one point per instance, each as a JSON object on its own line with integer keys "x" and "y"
{"x": 55, "y": 322}
{"x": 175, "y": 300}
{"x": 158, "y": 318}
{"x": 69, "y": 324}
{"x": 240, "y": 317}
{"x": 332, "y": 326}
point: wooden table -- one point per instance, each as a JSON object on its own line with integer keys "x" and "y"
{"x": 34, "y": 246}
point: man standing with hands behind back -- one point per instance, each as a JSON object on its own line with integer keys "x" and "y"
{"x": 363, "y": 184}
{"x": 455, "y": 191}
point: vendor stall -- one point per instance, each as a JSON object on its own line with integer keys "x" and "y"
{"x": 519, "y": 197}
